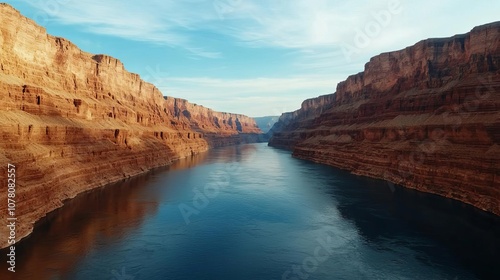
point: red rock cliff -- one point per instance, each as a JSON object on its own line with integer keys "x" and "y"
{"x": 71, "y": 121}
{"x": 426, "y": 117}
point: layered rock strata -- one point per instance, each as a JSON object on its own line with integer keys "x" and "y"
{"x": 71, "y": 121}
{"x": 426, "y": 117}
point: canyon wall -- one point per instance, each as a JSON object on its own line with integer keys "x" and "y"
{"x": 71, "y": 121}
{"x": 426, "y": 117}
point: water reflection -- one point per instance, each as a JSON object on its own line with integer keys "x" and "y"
{"x": 65, "y": 234}
{"x": 62, "y": 238}
{"x": 229, "y": 154}
{"x": 387, "y": 216}
{"x": 267, "y": 218}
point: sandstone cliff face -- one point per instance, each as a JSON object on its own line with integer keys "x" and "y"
{"x": 219, "y": 128}
{"x": 71, "y": 121}
{"x": 205, "y": 119}
{"x": 426, "y": 117}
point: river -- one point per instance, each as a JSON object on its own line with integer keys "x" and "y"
{"x": 254, "y": 212}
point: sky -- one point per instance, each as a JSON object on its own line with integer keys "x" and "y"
{"x": 254, "y": 57}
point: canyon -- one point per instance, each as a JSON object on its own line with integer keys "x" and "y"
{"x": 425, "y": 117}
{"x": 72, "y": 121}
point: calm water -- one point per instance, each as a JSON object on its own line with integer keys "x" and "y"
{"x": 253, "y": 212}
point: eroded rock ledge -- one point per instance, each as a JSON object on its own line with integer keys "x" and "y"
{"x": 72, "y": 121}
{"x": 425, "y": 117}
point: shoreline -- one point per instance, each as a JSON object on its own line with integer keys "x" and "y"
{"x": 392, "y": 183}
{"x": 43, "y": 219}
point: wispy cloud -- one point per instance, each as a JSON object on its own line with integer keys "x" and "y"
{"x": 252, "y": 96}
{"x": 299, "y": 24}
{"x": 317, "y": 25}
{"x": 203, "y": 53}
{"x": 330, "y": 38}
{"x": 244, "y": 86}
{"x": 161, "y": 22}
{"x": 290, "y": 24}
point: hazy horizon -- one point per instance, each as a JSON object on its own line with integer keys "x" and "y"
{"x": 255, "y": 58}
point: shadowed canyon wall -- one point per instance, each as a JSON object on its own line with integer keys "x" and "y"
{"x": 71, "y": 121}
{"x": 426, "y": 117}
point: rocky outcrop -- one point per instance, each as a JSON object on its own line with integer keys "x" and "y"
{"x": 426, "y": 117}
{"x": 72, "y": 121}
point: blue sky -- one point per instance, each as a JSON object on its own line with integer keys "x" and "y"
{"x": 255, "y": 57}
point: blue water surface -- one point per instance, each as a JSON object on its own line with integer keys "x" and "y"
{"x": 254, "y": 212}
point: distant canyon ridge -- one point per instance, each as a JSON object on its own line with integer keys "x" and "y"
{"x": 266, "y": 123}
{"x": 72, "y": 121}
{"x": 426, "y": 117}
